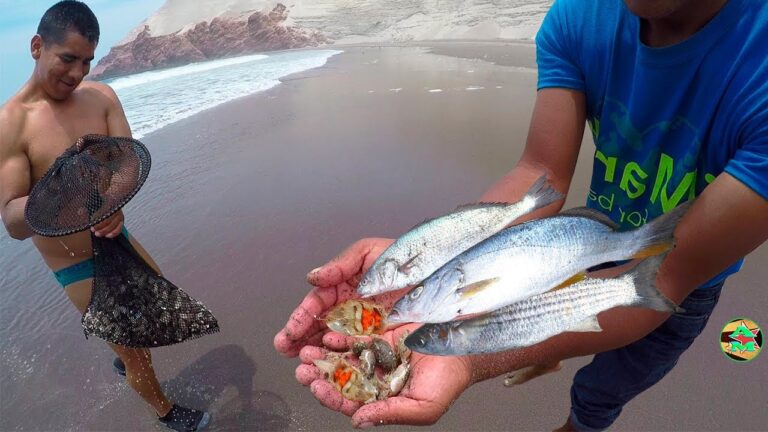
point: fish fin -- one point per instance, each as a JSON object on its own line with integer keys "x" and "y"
{"x": 654, "y": 249}
{"x": 474, "y": 288}
{"x": 586, "y": 212}
{"x": 578, "y": 277}
{"x": 406, "y": 267}
{"x": 648, "y": 294}
{"x": 482, "y": 204}
{"x": 656, "y": 236}
{"x": 542, "y": 193}
{"x": 587, "y": 325}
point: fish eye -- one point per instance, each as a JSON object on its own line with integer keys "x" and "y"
{"x": 416, "y": 293}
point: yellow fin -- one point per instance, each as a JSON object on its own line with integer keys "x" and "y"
{"x": 472, "y": 289}
{"x": 654, "y": 249}
{"x": 578, "y": 277}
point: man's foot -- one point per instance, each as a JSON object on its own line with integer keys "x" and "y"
{"x": 185, "y": 419}
{"x": 118, "y": 366}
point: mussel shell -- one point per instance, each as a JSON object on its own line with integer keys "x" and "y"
{"x": 385, "y": 355}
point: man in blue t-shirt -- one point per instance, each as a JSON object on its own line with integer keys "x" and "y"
{"x": 676, "y": 95}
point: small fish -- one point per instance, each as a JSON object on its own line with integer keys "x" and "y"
{"x": 529, "y": 259}
{"x": 356, "y": 318}
{"x": 426, "y": 247}
{"x": 573, "y": 308}
{"x": 348, "y": 380}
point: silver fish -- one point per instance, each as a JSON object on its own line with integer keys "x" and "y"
{"x": 529, "y": 259}
{"x": 528, "y": 322}
{"x": 426, "y": 247}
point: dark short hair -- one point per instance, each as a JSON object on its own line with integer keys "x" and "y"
{"x": 68, "y": 15}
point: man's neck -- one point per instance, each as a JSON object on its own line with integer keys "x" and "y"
{"x": 33, "y": 92}
{"x": 681, "y": 24}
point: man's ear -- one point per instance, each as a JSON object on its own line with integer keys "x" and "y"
{"x": 36, "y": 46}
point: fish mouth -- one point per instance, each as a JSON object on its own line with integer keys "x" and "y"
{"x": 417, "y": 341}
{"x": 396, "y": 317}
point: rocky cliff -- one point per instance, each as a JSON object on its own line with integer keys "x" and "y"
{"x": 220, "y": 37}
{"x": 186, "y": 31}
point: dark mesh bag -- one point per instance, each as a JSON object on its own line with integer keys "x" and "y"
{"x": 131, "y": 305}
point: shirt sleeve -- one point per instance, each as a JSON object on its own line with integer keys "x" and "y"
{"x": 555, "y": 53}
{"x": 750, "y": 163}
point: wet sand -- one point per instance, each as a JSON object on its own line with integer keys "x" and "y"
{"x": 245, "y": 198}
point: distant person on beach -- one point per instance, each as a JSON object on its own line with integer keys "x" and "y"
{"x": 45, "y": 117}
{"x": 676, "y": 95}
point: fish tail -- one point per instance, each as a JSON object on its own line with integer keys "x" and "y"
{"x": 656, "y": 236}
{"x": 647, "y": 293}
{"x": 542, "y": 193}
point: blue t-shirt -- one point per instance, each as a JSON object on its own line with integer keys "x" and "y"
{"x": 665, "y": 121}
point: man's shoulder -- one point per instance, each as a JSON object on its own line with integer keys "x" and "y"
{"x": 595, "y": 21}
{"x": 101, "y": 91}
{"x": 13, "y": 115}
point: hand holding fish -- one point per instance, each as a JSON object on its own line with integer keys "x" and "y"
{"x": 434, "y": 383}
{"x": 335, "y": 282}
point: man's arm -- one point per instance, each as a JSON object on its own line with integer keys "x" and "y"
{"x": 15, "y": 174}
{"x": 728, "y": 221}
{"x": 117, "y": 123}
{"x": 551, "y": 150}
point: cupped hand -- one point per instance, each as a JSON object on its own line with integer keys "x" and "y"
{"x": 434, "y": 383}
{"x": 335, "y": 282}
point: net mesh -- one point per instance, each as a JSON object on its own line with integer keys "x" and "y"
{"x": 133, "y": 306}
{"x": 87, "y": 184}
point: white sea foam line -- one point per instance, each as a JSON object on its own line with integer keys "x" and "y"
{"x": 472, "y": 88}
{"x": 147, "y": 77}
{"x": 146, "y": 121}
{"x": 435, "y": 90}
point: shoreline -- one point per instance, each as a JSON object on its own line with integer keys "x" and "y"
{"x": 522, "y": 59}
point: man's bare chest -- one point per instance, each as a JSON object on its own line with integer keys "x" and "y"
{"x": 48, "y": 132}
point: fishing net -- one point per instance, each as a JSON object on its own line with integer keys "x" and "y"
{"x": 87, "y": 184}
{"x": 131, "y": 305}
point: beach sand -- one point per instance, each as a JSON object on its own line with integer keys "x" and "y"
{"x": 245, "y": 198}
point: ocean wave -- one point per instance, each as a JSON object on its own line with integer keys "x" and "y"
{"x": 152, "y": 101}
{"x": 151, "y": 76}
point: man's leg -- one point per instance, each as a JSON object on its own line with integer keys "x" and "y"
{"x": 141, "y": 377}
{"x": 138, "y": 361}
{"x": 602, "y": 388}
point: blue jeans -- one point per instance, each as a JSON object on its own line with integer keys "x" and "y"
{"x": 602, "y": 388}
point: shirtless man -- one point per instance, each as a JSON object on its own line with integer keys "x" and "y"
{"x": 46, "y": 116}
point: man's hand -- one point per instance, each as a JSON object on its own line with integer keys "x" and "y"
{"x": 434, "y": 383}
{"x": 335, "y": 283}
{"x": 110, "y": 227}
